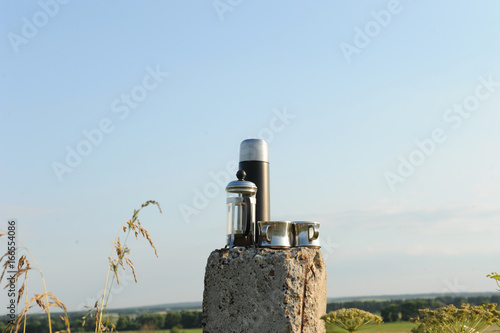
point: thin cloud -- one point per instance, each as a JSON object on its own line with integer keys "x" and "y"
{"x": 452, "y": 231}
{"x": 422, "y": 221}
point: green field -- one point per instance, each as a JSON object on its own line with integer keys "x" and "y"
{"x": 191, "y": 330}
{"x": 384, "y": 328}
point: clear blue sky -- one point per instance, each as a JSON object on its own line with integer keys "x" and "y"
{"x": 382, "y": 120}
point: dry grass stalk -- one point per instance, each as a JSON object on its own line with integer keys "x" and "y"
{"x": 102, "y": 324}
{"x": 121, "y": 250}
{"x": 23, "y": 267}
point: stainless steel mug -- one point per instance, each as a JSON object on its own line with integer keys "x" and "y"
{"x": 306, "y": 234}
{"x": 276, "y": 234}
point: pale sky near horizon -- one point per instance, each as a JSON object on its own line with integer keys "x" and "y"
{"x": 382, "y": 120}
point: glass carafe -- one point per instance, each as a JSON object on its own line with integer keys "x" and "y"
{"x": 241, "y": 227}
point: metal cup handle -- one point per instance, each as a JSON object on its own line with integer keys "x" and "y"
{"x": 313, "y": 232}
{"x": 265, "y": 232}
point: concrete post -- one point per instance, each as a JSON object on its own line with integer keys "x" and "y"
{"x": 264, "y": 290}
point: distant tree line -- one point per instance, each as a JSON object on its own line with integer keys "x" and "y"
{"x": 182, "y": 319}
{"x": 390, "y": 310}
{"x": 403, "y": 310}
{"x": 38, "y": 323}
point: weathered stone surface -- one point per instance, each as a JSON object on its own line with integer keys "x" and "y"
{"x": 264, "y": 290}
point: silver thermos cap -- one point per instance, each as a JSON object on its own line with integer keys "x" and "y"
{"x": 254, "y": 150}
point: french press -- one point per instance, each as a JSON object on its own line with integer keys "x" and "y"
{"x": 241, "y": 226}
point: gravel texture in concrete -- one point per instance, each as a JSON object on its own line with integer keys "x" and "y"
{"x": 264, "y": 290}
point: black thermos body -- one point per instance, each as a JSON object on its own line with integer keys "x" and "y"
{"x": 254, "y": 159}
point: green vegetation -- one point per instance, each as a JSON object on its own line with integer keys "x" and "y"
{"x": 156, "y": 321}
{"x": 398, "y": 327}
{"x": 352, "y": 320}
{"x": 403, "y": 310}
{"x": 449, "y": 319}
{"x": 395, "y": 313}
{"x": 495, "y": 276}
{"x": 182, "y": 320}
{"x": 382, "y": 328}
